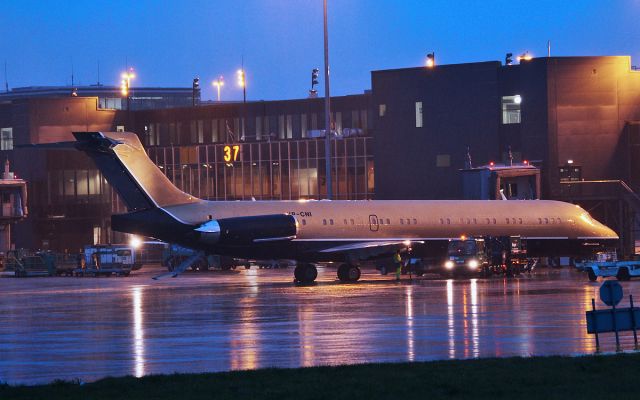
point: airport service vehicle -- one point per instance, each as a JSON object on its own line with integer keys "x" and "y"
{"x": 466, "y": 256}
{"x": 108, "y": 259}
{"x": 346, "y": 232}
{"x": 606, "y": 265}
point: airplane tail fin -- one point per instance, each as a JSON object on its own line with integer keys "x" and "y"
{"x": 127, "y": 167}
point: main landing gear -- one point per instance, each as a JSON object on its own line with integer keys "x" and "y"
{"x": 305, "y": 273}
{"x": 348, "y": 273}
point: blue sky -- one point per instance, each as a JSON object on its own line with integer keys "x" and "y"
{"x": 170, "y": 42}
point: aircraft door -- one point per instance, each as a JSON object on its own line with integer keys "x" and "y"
{"x": 373, "y": 223}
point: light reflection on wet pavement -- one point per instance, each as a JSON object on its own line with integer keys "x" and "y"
{"x": 89, "y": 328}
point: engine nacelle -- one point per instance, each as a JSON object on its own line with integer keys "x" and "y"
{"x": 247, "y": 230}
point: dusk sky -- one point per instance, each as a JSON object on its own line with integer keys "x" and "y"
{"x": 170, "y": 42}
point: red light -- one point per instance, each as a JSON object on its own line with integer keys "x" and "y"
{"x": 491, "y": 164}
{"x": 526, "y": 162}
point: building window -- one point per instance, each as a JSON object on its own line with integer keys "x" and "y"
{"x": 303, "y": 125}
{"x": 418, "y": 114}
{"x": 382, "y": 110}
{"x": 511, "y": 109}
{"x": 120, "y": 128}
{"x": 281, "y": 127}
{"x": 289, "y": 127}
{"x": 443, "y": 160}
{"x": 6, "y": 139}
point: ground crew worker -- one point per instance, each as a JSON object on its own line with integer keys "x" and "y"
{"x": 397, "y": 260}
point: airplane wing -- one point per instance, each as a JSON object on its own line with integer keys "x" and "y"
{"x": 371, "y": 245}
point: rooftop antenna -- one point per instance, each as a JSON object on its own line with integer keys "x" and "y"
{"x": 72, "y": 82}
{"x": 98, "y": 83}
{"x": 6, "y": 82}
{"x": 548, "y": 48}
{"x": 467, "y": 158}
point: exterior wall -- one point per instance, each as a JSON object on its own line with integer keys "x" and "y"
{"x": 460, "y": 107}
{"x": 591, "y": 99}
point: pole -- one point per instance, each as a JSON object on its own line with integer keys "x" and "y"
{"x": 327, "y": 108}
{"x": 595, "y": 324}
{"x": 613, "y": 317}
{"x": 633, "y": 323}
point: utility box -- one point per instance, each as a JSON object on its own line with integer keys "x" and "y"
{"x": 517, "y": 182}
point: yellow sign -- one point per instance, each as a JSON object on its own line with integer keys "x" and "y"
{"x": 230, "y": 153}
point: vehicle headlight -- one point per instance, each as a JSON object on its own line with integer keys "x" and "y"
{"x": 473, "y": 264}
{"x": 449, "y": 264}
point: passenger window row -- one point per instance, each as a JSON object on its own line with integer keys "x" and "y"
{"x": 547, "y": 221}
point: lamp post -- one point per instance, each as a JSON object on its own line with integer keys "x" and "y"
{"x": 242, "y": 82}
{"x": 125, "y": 89}
{"x": 327, "y": 107}
{"x": 219, "y": 83}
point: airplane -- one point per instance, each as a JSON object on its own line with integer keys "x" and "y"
{"x": 317, "y": 231}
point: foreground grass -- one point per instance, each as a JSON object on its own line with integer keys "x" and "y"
{"x": 592, "y": 377}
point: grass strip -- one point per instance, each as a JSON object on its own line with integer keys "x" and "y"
{"x": 588, "y": 377}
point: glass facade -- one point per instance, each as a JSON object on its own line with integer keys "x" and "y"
{"x": 279, "y": 170}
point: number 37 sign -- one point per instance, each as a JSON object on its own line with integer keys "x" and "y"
{"x": 230, "y": 153}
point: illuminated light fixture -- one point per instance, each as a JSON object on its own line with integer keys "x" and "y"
{"x": 242, "y": 81}
{"x": 135, "y": 242}
{"x": 517, "y": 99}
{"x": 473, "y": 264}
{"x": 448, "y": 264}
{"x": 463, "y": 237}
{"x": 491, "y": 164}
{"x": 526, "y": 162}
{"x": 431, "y": 60}
{"x": 407, "y": 242}
{"x": 526, "y": 56}
{"x": 125, "y": 84}
{"x": 219, "y": 83}
{"x": 569, "y": 161}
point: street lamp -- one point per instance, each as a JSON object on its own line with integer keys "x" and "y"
{"x": 125, "y": 86}
{"x": 327, "y": 106}
{"x": 431, "y": 60}
{"x": 219, "y": 83}
{"x": 242, "y": 82}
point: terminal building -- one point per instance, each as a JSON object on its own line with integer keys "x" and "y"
{"x": 576, "y": 119}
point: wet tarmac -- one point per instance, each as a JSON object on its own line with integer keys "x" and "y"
{"x": 89, "y": 328}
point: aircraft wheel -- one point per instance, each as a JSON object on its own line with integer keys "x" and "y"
{"x": 623, "y": 274}
{"x": 592, "y": 275}
{"x": 305, "y": 273}
{"x": 353, "y": 273}
{"x": 343, "y": 271}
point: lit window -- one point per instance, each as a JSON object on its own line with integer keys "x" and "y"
{"x": 511, "y": 109}
{"x": 382, "y": 110}
{"x": 418, "y": 114}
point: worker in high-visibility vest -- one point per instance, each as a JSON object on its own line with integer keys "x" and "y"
{"x": 397, "y": 260}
